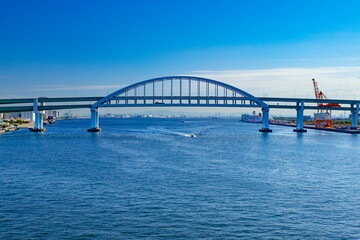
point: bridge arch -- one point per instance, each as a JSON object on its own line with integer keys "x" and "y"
{"x": 179, "y": 91}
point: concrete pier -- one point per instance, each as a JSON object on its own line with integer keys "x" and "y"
{"x": 354, "y": 116}
{"x": 265, "y": 120}
{"x": 94, "y": 120}
{"x": 300, "y": 118}
{"x": 39, "y": 123}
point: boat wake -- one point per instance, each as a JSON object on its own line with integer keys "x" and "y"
{"x": 169, "y": 132}
{"x": 189, "y": 135}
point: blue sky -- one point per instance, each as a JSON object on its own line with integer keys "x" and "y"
{"x": 86, "y": 48}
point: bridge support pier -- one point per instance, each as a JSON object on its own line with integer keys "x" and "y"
{"x": 39, "y": 123}
{"x": 94, "y": 120}
{"x": 265, "y": 120}
{"x": 354, "y": 116}
{"x": 300, "y": 118}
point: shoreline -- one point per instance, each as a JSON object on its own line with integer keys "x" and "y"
{"x": 348, "y": 131}
{"x": 14, "y": 128}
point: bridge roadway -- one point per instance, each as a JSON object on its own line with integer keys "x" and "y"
{"x": 299, "y": 104}
{"x": 272, "y": 102}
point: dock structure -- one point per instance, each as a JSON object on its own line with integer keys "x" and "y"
{"x": 178, "y": 91}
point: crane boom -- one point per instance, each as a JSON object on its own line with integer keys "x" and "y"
{"x": 318, "y": 94}
{"x": 316, "y": 88}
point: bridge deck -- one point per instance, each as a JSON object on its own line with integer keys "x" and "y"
{"x": 275, "y": 103}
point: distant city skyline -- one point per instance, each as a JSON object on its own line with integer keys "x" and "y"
{"x": 88, "y": 48}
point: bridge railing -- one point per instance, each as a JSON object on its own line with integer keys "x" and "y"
{"x": 186, "y": 100}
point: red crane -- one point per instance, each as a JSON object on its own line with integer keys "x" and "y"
{"x": 323, "y": 116}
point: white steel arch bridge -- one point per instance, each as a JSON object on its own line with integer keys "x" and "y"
{"x": 179, "y": 91}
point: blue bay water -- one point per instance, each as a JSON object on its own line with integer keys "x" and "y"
{"x": 147, "y": 179}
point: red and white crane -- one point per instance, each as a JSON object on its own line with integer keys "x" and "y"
{"x": 323, "y": 116}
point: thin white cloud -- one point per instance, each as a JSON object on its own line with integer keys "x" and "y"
{"x": 336, "y": 82}
{"x": 279, "y": 72}
{"x": 84, "y": 87}
{"x": 13, "y": 96}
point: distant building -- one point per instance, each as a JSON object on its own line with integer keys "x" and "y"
{"x": 14, "y": 115}
{"x": 322, "y": 116}
{"x": 52, "y": 113}
{"x": 24, "y": 115}
{"x": 28, "y": 116}
{"x": 307, "y": 118}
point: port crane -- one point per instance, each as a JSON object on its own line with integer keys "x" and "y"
{"x": 323, "y": 116}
